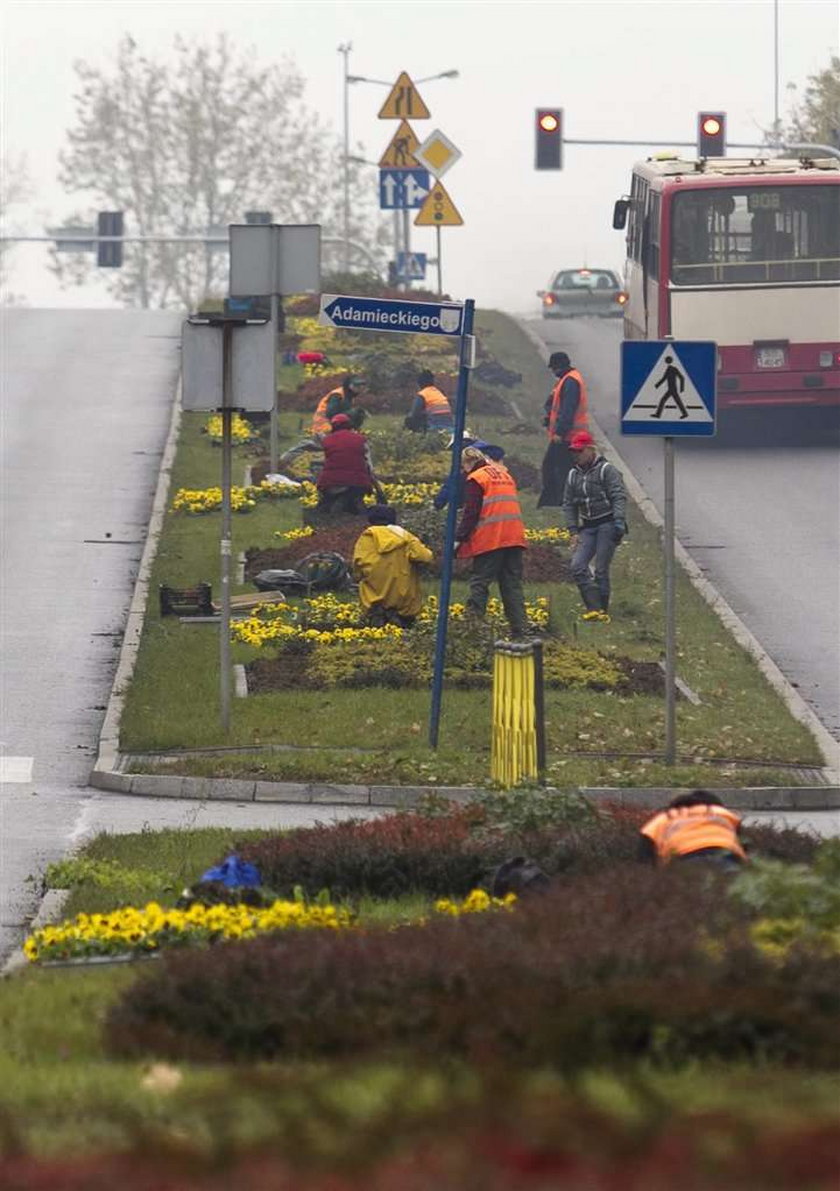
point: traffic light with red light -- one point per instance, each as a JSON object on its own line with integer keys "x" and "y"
{"x": 711, "y": 134}
{"x": 549, "y": 139}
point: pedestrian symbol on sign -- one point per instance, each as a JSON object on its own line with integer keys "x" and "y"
{"x": 674, "y": 382}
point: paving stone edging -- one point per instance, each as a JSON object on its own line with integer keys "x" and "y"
{"x": 106, "y": 773}
{"x": 209, "y": 789}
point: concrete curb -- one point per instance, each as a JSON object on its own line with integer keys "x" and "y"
{"x": 52, "y": 904}
{"x": 109, "y": 736}
{"x": 153, "y": 785}
{"x": 796, "y": 705}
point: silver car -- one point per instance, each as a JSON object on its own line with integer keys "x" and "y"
{"x": 575, "y": 293}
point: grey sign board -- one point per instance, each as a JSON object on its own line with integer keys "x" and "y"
{"x": 274, "y": 259}
{"x": 252, "y": 366}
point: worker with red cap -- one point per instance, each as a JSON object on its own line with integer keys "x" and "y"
{"x": 594, "y": 505}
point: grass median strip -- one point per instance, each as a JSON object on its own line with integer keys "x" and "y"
{"x": 172, "y": 701}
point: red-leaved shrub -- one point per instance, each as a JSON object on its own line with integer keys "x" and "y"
{"x": 631, "y": 963}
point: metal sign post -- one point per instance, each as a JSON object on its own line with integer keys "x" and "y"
{"x": 455, "y": 321}
{"x": 670, "y": 606}
{"x": 466, "y": 363}
{"x": 225, "y": 371}
{"x": 669, "y": 389}
{"x": 269, "y": 260}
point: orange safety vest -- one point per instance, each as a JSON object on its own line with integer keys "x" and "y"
{"x": 320, "y": 421}
{"x": 437, "y": 403}
{"x": 684, "y": 829}
{"x": 581, "y": 420}
{"x": 500, "y": 521}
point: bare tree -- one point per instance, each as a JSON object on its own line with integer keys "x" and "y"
{"x": 184, "y": 148}
{"x": 815, "y": 116}
{"x": 15, "y": 189}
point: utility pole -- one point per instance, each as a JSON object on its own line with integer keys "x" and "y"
{"x": 345, "y": 49}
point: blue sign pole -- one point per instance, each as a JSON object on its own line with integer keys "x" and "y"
{"x": 451, "y": 519}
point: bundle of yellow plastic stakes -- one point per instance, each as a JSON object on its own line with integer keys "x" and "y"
{"x": 513, "y": 754}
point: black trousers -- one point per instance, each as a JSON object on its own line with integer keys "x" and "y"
{"x": 505, "y": 567}
{"x": 556, "y": 465}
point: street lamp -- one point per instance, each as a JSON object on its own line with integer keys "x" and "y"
{"x": 345, "y": 49}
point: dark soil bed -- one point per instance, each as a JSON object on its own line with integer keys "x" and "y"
{"x": 543, "y": 564}
{"x": 289, "y": 671}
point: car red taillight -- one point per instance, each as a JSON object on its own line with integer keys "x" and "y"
{"x": 548, "y": 299}
{"x": 621, "y": 298}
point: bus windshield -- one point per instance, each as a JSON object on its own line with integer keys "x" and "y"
{"x": 756, "y": 234}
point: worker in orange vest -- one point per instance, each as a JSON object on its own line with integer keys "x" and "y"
{"x": 431, "y": 409}
{"x": 566, "y": 413}
{"x": 694, "y": 827}
{"x": 339, "y": 401}
{"x": 491, "y": 532}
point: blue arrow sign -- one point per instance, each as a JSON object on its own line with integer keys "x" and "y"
{"x": 668, "y": 388}
{"x": 411, "y": 266}
{"x": 401, "y": 189}
{"x": 383, "y": 314}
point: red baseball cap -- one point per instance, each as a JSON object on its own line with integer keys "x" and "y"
{"x": 339, "y": 421}
{"x": 581, "y": 439}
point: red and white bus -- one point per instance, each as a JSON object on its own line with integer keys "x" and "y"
{"x": 745, "y": 252}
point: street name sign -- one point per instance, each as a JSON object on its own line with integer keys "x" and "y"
{"x": 668, "y": 387}
{"x": 384, "y": 314}
{"x": 411, "y": 266}
{"x": 400, "y": 189}
{"x": 438, "y": 210}
{"x": 404, "y": 102}
{"x": 437, "y": 153}
{"x": 400, "y": 153}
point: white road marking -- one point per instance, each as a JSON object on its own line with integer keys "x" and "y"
{"x": 16, "y": 769}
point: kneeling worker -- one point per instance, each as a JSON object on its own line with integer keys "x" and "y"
{"x": 386, "y": 561}
{"x": 430, "y": 409}
{"x": 696, "y": 827}
{"x": 347, "y": 475}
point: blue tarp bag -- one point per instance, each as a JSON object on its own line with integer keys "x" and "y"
{"x": 233, "y": 872}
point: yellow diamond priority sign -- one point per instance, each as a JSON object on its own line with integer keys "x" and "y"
{"x": 437, "y": 153}
{"x": 404, "y": 102}
{"x": 438, "y": 210}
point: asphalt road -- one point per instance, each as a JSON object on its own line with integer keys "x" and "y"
{"x": 760, "y": 514}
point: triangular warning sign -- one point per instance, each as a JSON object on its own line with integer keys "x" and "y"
{"x": 667, "y": 394}
{"x": 438, "y": 210}
{"x": 404, "y": 102}
{"x": 400, "y": 153}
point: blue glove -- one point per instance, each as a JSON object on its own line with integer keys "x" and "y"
{"x": 619, "y": 530}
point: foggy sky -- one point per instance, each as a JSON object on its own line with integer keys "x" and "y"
{"x": 619, "y": 69}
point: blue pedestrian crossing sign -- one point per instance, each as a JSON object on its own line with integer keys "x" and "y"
{"x": 668, "y": 387}
{"x": 411, "y": 266}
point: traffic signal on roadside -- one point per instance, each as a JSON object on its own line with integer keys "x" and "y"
{"x": 711, "y": 134}
{"x": 258, "y": 217}
{"x": 548, "y": 126}
{"x": 109, "y": 253}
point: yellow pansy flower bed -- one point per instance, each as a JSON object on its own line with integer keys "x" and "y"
{"x": 150, "y": 928}
{"x": 241, "y": 430}
{"x": 550, "y": 536}
{"x": 476, "y": 902}
{"x": 242, "y": 500}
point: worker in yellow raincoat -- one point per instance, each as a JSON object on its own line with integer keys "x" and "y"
{"x": 386, "y": 564}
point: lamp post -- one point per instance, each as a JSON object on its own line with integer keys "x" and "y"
{"x": 345, "y": 49}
